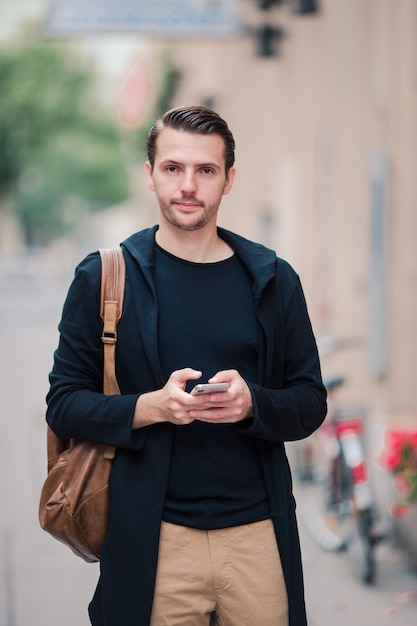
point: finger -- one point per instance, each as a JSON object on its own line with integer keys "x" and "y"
{"x": 181, "y": 376}
{"x": 214, "y": 413}
{"x": 225, "y": 376}
{"x": 216, "y": 416}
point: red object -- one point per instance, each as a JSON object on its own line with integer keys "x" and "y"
{"x": 359, "y": 473}
{"x": 135, "y": 95}
{"x": 354, "y": 425}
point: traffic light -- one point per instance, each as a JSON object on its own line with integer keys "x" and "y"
{"x": 264, "y": 5}
{"x": 305, "y": 6}
{"x": 267, "y": 36}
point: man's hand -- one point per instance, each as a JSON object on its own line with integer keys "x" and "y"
{"x": 169, "y": 404}
{"x": 227, "y": 407}
{"x": 173, "y": 404}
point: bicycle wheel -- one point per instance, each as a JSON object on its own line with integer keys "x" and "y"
{"x": 356, "y": 532}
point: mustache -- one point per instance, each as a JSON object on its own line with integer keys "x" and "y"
{"x": 191, "y": 199}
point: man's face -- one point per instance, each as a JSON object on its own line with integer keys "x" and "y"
{"x": 189, "y": 178}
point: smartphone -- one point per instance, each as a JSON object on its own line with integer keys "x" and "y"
{"x": 203, "y": 388}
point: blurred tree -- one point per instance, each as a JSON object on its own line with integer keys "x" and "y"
{"x": 59, "y": 152}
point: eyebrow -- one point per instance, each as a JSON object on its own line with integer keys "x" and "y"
{"x": 215, "y": 166}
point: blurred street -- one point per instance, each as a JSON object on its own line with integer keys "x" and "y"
{"x": 42, "y": 583}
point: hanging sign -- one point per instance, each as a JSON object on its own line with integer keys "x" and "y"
{"x": 166, "y": 18}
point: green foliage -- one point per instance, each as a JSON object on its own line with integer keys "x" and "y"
{"x": 57, "y": 148}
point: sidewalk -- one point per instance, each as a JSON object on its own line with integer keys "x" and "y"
{"x": 335, "y": 598}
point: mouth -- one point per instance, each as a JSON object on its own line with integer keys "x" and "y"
{"x": 187, "y": 205}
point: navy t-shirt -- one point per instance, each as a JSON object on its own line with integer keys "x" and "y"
{"x": 206, "y": 321}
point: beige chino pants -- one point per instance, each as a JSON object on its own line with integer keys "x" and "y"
{"x": 227, "y": 577}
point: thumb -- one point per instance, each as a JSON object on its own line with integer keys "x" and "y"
{"x": 180, "y": 377}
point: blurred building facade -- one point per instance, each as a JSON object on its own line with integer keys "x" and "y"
{"x": 326, "y": 133}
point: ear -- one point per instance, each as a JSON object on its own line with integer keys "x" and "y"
{"x": 229, "y": 181}
{"x": 148, "y": 174}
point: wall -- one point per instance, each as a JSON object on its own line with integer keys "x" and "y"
{"x": 326, "y": 159}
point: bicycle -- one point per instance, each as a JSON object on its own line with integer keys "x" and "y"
{"x": 336, "y": 464}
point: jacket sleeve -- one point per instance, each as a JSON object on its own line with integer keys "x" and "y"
{"x": 292, "y": 403}
{"x": 76, "y": 405}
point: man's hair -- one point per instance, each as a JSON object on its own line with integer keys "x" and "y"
{"x": 193, "y": 119}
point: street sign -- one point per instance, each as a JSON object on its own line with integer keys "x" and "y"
{"x": 166, "y": 18}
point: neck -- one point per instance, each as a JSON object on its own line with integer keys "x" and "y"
{"x": 196, "y": 246}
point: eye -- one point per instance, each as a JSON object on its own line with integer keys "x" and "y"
{"x": 207, "y": 170}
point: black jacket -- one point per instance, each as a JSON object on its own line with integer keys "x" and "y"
{"x": 289, "y": 402}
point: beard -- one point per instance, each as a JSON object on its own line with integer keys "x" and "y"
{"x": 189, "y": 222}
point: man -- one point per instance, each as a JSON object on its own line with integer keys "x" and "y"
{"x": 202, "y": 524}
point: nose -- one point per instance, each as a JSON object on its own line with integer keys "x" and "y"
{"x": 188, "y": 183}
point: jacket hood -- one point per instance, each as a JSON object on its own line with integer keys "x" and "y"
{"x": 258, "y": 260}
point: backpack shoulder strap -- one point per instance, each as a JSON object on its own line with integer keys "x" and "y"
{"x": 113, "y": 276}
